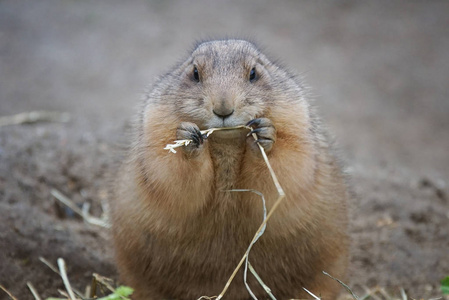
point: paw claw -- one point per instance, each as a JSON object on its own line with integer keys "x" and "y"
{"x": 253, "y": 122}
{"x": 190, "y": 131}
{"x": 265, "y": 131}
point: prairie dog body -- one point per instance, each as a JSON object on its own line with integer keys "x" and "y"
{"x": 179, "y": 232}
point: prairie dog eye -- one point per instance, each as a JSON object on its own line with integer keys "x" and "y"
{"x": 196, "y": 74}
{"x": 252, "y": 75}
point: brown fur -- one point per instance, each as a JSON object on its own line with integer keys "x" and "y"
{"x": 178, "y": 233}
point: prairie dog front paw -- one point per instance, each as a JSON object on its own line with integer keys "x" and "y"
{"x": 190, "y": 131}
{"x": 265, "y": 131}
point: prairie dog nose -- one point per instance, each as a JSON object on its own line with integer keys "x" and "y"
{"x": 223, "y": 113}
{"x": 224, "y": 107}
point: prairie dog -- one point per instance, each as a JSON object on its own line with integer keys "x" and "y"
{"x": 178, "y": 231}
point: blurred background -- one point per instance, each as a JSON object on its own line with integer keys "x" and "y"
{"x": 379, "y": 75}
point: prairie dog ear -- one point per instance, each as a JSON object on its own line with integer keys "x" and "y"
{"x": 263, "y": 59}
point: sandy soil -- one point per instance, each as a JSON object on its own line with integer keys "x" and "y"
{"x": 379, "y": 71}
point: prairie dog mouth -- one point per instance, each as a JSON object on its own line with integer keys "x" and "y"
{"x": 233, "y": 121}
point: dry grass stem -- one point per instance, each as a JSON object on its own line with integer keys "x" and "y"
{"x": 403, "y": 294}
{"x": 63, "y": 293}
{"x": 34, "y": 117}
{"x": 265, "y": 287}
{"x": 65, "y": 279}
{"x": 258, "y": 235}
{"x": 385, "y": 294}
{"x": 88, "y": 292}
{"x": 273, "y": 176}
{"x": 180, "y": 143}
{"x": 343, "y": 284}
{"x": 209, "y": 131}
{"x": 177, "y": 144}
{"x": 273, "y": 209}
{"x": 50, "y": 265}
{"x": 7, "y": 292}
{"x": 54, "y": 269}
{"x": 104, "y": 281}
{"x": 366, "y": 296}
{"x": 311, "y": 294}
{"x": 33, "y": 291}
{"x": 371, "y": 293}
{"x": 84, "y": 214}
{"x": 93, "y": 287}
{"x": 262, "y": 227}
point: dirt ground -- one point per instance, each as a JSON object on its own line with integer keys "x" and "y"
{"x": 379, "y": 71}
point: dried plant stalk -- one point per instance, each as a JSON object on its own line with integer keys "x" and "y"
{"x": 54, "y": 269}
{"x": 49, "y": 264}
{"x": 84, "y": 214}
{"x": 281, "y": 196}
{"x": 93, "y": 288}
{"x": 34, "y": 117}
{"x": 207, "y": 133}
{"x": 245, "y": 272}
{"x": 403, "y": 295}
{"x": 7, "y": 292}
{"x": 273, "y": 209}
{"x": 33, "y": 291}
{"x": 343, "y": 284}
{"x": 177, "y": 144}
{"x": 65, "y": 279}
{"x": 311, "y": 294}
{"x": 103, "y": 281}
{"x": 265, "y": 287}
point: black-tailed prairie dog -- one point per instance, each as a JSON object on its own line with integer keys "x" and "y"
{"x": 178, "y": 230}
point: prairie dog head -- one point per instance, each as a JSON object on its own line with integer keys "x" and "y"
{"x": 223, "y": 83}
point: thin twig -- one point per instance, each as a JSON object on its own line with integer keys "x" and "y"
{"x": 207, "y": 133}
{"x": 63, "y": 293}
{"x": 85, "y": 215}
{"x": 275, "y": 205}
{"x": 273, "y": 175}
{"x": 33, "y": 291}
{"x": 366, "y": 296}
{"x": 403, "y": 294}
{"x": 87, "y": 292}
{"x": 7, "y": 292}
{"x": 104, "y": 281}
{"x": 245, "y": 272}
{"x": 372, "y": 293}
{"x": 177, "y": 144}
{"x": 65, "y": 279}
{"x": 34, "y": 117}
{"x": 311, "y": 294}
{"x": 343, "y": 284}
{"x": 93, "y": 287}
{"x": 50, "y": 265}
{"x": 265, "y": 287}
{"x": 385, "y": 294}
{"x": 54, "y": 269}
